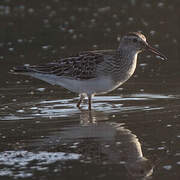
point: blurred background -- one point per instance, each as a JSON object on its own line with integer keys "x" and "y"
{"x": 33, "y": 32}
{"x": 35, "y": 116}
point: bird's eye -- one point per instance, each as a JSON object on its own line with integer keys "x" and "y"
{"x": 134, "y": 40}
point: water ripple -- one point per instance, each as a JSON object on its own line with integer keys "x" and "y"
{"x": 16, "y": 163}
{"x": 67, "y": 107}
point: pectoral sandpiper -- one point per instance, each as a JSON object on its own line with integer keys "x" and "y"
{"x": 93, "y": 72}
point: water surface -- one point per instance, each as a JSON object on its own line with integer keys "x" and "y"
{"x": 131, "y": 133}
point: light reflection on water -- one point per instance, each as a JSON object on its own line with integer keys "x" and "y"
{"x": 94, "y": 141}
{"x": 33, "y": 119}
{"x": 67, "y": 107}
{"x": 22, "y": 164}
{"x": 101, "y": 137}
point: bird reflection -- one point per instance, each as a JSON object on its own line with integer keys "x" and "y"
{"x": 124, "y": 147}
{"x": 109, "y": 143}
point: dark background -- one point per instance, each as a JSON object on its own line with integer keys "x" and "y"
{"x": 35, "y": 115}
{"x": 40, "y": 31}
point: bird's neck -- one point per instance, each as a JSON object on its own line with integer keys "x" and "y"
{"x": 125, "y": 64}
{"x": 128, "y": 53}
{"x": 126, "y": 57}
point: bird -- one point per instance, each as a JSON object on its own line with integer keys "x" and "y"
{"x": 95, "y": 72}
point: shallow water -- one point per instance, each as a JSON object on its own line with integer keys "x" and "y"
{"x": 36, "y": 130}
{"x": 131, "y": 133}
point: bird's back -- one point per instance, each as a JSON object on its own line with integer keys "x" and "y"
{"x": 82, "y": 66}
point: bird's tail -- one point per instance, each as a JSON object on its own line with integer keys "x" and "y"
{"x": 21, "y": 69}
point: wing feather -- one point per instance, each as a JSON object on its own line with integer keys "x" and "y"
{"x": 83, "y": 66}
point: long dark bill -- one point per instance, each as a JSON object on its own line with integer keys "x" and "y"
{"x": 156, "y": 52}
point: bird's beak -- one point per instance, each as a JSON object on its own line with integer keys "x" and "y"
{"x": 155, "y": 51}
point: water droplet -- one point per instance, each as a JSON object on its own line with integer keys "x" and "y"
{"x": 11, "y": 49}
{"x": 167, "y": 167}
{"x": 31, "y": 10}
{"x": 168, "y": 125}
{"x": 160, "y": 4}
{"x": 41, "y": 89}
{"x": 1, "y": 57}
{"x": 161, "y": 148}
{"x": 104, "y": 9}
{"x": 71, "y": 31}
{"x": 20, "y": 111}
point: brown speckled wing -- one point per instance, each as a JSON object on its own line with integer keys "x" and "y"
{"x": 82, "y": 66}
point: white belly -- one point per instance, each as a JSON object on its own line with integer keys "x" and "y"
{"x": 92, "y": 86}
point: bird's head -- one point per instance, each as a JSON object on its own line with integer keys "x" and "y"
{"x": 136, "y": 41}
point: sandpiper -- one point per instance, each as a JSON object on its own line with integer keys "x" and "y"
{"x": 93, "y": 72}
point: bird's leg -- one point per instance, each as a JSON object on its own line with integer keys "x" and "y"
{"x": 89, "y": 102}
{"x": 80, "y": 100}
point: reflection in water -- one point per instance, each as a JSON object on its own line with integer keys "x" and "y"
{"x": 20, "y": 98}
{"x": 66, "y": 107}
{"x": 125, "y": 144}
{"x": 108, "y": 143}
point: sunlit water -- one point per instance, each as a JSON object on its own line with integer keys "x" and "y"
{"x": 131, "y": 133}
{"x": 135, "y": 134}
